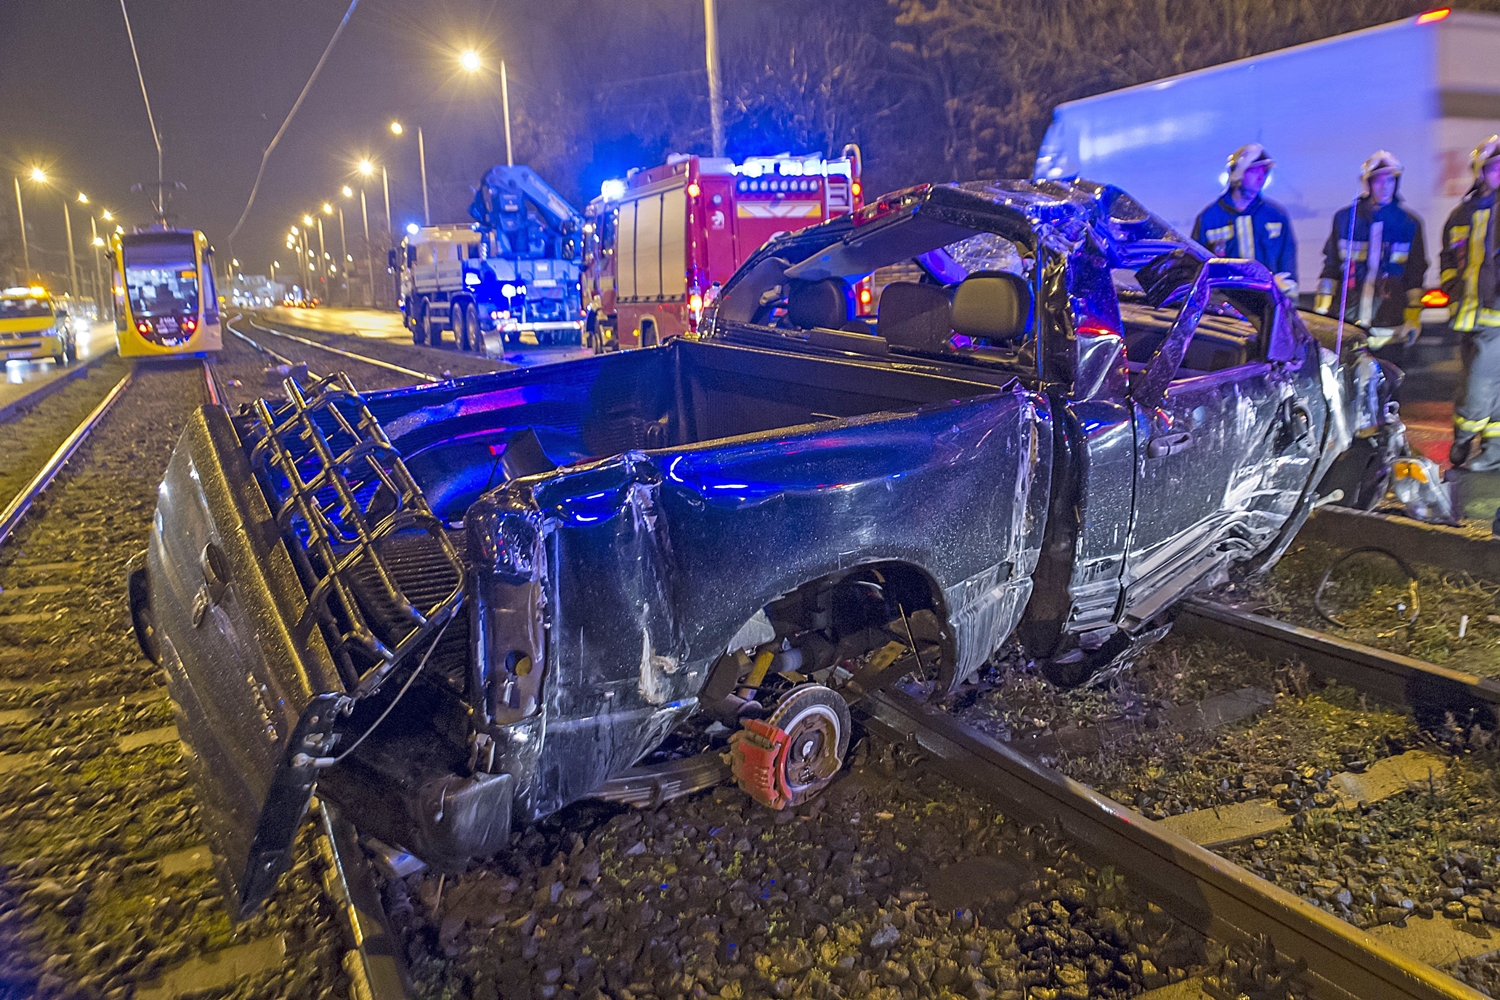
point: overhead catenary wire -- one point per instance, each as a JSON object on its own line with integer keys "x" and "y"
{"x": 155, "y": 135}
{"x": 266, "y": 156}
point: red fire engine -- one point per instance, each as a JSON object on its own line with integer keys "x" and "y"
{"x": 661, "y": 242}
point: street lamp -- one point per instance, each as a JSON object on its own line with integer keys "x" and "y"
{"x": 422, "y": 163}
{"x": 39, "y": 176}
{"x": 469, "y": 60}
{"x": 348, "y": 192}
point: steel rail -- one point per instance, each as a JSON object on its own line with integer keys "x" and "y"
{"x": 1391, "y": 677}
{"x": 1204, "y": 891}
{"x": 374, "y": 962}
{"x": 278, "y": 358}
{"x": 1436, "y": 545}
{"x": 211, "y": 382}
{"x": 363, "y": 359}
{"x": 16, "y": 510}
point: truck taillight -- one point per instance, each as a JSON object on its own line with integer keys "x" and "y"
{"x": 1435, "y": 298}
{"x": 143, "y": 327}
{"x": 190, "y": 325}
{"x": 856, "y": 187}
{"x": 693, "y": 190}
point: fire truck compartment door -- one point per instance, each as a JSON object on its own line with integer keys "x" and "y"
{"x": 651, "y": 246}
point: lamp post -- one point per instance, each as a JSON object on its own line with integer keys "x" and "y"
{"x": 25, "y": 247}
{"x": 367, "y": 170}
{"x": 715, "y": 90}
{"x": 510, "y": 160}
{"x": 344, "y": 258}
{"x": 100, "y": 292}
{"x": 72, "y": 258}
{"x": 397, "y": 129}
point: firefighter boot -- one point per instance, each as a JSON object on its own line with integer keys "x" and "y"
{"x": 1488, "y": 459}
{"x": 1458, "y": 452}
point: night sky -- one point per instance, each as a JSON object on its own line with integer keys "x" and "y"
{"x": 223, "y": 75}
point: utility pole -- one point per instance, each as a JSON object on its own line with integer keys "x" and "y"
{"x": 510, "y": 160}
{"x": 421, "y": 158}
{"x": 72, "y": 259}
{"x": 364, "y": 212}
{"x": 715, "y": 92}
{"x": 390, "y": 234}
{"x": 100, "y": 292}
{"x": 25, "y": 247}
{"x": 322, "y": 261}
{"x": 344, "y": 257}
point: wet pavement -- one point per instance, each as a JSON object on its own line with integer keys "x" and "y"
{"x": 378, "y": 324}
{"x": 24, "y": 377}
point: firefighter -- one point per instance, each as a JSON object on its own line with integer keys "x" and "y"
{"x": 1469, "y": 277}
{"x": 1385, "y": 298}
{"x": 1243, "y": 224}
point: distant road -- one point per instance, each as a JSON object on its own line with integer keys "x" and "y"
{"x": 382, "y": 325}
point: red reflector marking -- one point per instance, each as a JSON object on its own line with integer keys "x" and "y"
{"x": 1435, "y": 299}
{"x": 1434, "y": 15}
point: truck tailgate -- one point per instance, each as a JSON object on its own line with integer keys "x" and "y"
{"x": 250, "y": 674}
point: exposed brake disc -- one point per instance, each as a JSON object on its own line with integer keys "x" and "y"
{"x": 788, "y": 758}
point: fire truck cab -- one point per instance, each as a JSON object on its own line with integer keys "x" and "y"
{"x": 659, "y": 243}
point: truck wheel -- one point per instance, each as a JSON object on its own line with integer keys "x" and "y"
{"x": 456, "y": 320}
{"x": 649, "y": 336}
{"x": 432, "y": 329}
{"x": 475, "y": 339}
{"x": 419, "y": 322}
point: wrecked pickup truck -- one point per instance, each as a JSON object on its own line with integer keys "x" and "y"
{"x": 458, "y": 607}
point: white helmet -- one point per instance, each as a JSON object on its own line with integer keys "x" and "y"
{"x": 1483, "y": 153}
{"x": 1380, "y": 162}
{"x": 1242, "y": 159}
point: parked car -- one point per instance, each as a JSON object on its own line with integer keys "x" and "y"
{"x": 458, "y": 607}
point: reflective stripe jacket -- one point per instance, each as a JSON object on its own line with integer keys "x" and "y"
{"x": 1403, "y": 262}
{"x": 1263, "y": 231}
{"x": 1468, "y": 263}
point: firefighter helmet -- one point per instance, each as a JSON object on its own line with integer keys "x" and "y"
{"x": 1380, "y": 162}
{"x": 1242, "y": 159}
{"x": 1483, "y": 153}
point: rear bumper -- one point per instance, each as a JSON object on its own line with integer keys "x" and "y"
{"x": 25, "y": 348}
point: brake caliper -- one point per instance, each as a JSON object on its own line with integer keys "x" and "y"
{"x": 757, "y": 759}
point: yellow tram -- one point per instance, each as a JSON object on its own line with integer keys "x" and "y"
{"x": 166, "y": 302}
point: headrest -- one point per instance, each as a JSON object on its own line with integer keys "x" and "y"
{"x": 916, "y": 316}
{"x": 822, "y": 304}
{"x": 991, "y": 305}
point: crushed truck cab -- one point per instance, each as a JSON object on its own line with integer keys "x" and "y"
{"x": 456, "y": 608}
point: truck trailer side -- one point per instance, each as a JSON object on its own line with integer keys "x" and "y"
{"x": 1426, "y": 88}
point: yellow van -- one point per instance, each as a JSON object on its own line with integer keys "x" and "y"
{"x": 32, "y": 326}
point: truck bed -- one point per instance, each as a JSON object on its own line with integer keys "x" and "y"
{"x": 462, "y": 438}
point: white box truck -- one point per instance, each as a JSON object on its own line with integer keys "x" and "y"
{"x": 1427, "y": 88}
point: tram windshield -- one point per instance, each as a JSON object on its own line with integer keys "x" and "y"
{"x": 161, "y": 277}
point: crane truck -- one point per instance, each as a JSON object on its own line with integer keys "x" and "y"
{"x": 514, "y": 269}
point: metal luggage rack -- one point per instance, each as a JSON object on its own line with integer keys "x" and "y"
{"x": 339, "y": 490}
